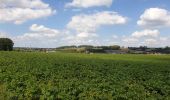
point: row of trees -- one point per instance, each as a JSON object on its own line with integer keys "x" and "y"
{"x": 113, "y": 47}
{"x": 88, "y": 48}
{"x": 6, "y": 44}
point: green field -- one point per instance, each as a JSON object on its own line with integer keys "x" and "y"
{"x": 66, "y": 76}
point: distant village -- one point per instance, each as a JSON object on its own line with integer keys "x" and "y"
{"x": 89, "y": 49}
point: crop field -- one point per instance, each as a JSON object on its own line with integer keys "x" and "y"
{"x": 69, "y": 76}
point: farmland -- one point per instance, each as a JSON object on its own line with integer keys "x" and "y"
{"x": 67, "y": 76}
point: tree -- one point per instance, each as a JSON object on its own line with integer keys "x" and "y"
{"x": 143, "y": 48}
{"x": 115, "y": 47}
{"x": 85, "y": 46}
{"x": 6, "y": 44}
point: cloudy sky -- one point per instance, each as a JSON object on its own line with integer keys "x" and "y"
{"x": 53, "y": 23}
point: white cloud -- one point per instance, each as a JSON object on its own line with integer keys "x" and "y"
{"x": 150, "y": 38}
{"x": 151, "y": 42}
{"x": 40, "y": 36}
{"x": 164, "y": 41}
{"x": 19, "y": 11}
{"x": 86, "y": 35}
{"x": 146, "y": 33}
{"x": 86, "y": 25}
{"x": 130, "y": 40}
{"x": 89, "y": 23}
{"x": 155, "y": 18}
{"x": 23, "y": 4}
{"x": 89, "y": 3}
{"x": 163, "y": 38}
{"x": 44, "y": 30}
{"x": 79, "y": 38}
{"x": 3, "y": 35}
{"x": 115, "y": 37}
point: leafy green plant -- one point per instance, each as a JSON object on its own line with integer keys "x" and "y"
{"x": 65, "y": 76}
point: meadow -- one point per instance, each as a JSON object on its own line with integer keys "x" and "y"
{"x": 71, "y": 76}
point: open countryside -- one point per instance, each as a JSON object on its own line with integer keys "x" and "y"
{"x": 84, "y": 50}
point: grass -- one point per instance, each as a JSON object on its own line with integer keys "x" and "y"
{"x": 68, "y": 76}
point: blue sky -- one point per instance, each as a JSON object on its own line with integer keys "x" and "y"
{"x": 53, "y": 23}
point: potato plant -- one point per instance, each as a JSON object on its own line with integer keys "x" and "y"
{"x": 69, "y": 76}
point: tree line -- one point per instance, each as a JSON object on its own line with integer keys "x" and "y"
{"x": 6, "y": 44}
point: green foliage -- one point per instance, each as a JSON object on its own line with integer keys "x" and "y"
{"x": 86, "y": 46}
{"x": 115, "y": 47}
{"x": 6, "y": 44}
{"x": 59, "y": 76}
{"x": 67, "y": 47}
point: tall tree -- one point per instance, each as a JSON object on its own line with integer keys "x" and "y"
{"x": 6, "y": 44}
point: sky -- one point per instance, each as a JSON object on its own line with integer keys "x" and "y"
{"x": 54, "y": 23}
